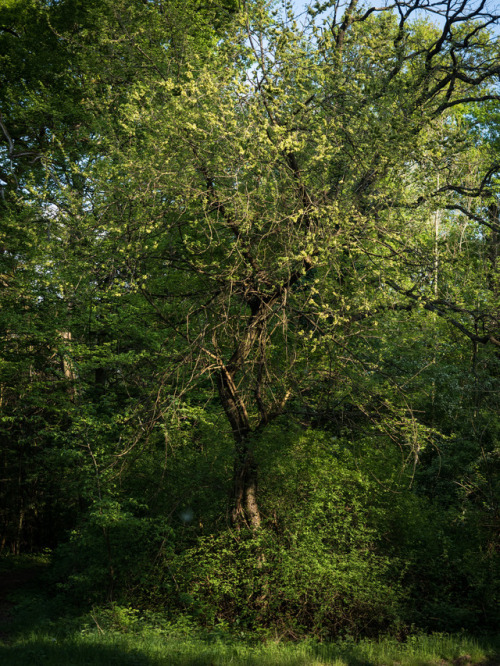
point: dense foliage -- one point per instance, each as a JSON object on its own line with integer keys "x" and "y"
{"x": 250, "y": 316}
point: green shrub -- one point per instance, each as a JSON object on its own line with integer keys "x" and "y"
{"x": 315, "y": 567}
{"x": 112, "y": 555}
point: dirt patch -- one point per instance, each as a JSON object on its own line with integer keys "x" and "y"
{"x": 466, "y": 660}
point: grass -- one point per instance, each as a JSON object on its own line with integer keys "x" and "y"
{"x": 120, "y": 636}
{"x": 149, "y": 649}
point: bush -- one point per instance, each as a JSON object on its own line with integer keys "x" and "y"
{"x": 315, "y": 567}
{"x": 113, "y": 554}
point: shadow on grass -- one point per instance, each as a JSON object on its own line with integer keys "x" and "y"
{"x": 48, "y": 652}
{"x": 330, "y": 653}
{"x": 43, "y": 652}
{"x": 67, "y": 653}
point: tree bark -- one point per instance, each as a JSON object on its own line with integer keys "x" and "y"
{"x": 245, "y": 507}
{"x": 494, "y": 250}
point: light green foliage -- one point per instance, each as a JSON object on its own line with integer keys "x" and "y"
{"x": 318, "y": 567}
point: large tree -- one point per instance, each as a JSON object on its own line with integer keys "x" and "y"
{"x": 266, "y": 200}
{"x": 272, "y": 200}
{"x": 236, "y": 245}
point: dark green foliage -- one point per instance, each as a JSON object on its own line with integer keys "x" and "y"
{"x": 114, "y": 553}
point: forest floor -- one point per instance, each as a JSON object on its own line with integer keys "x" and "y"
{"x": 14, "y": 579}
{"x": 36, "y": 630}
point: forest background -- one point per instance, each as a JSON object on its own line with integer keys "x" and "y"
{"x": 250, "y": 316}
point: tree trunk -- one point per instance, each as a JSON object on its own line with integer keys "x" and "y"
{"x": 494, "y": 250}
{"x": 245, "y": 507}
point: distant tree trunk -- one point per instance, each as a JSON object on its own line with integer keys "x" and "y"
{"x": 494, "y": 249}
{"x": 67, "y": 365}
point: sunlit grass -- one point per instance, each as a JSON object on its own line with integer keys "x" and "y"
{"x": 151, "y": 649}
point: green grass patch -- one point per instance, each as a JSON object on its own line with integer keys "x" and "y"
{"x": 93, "y": 648}
{"x": 13, "y": 563}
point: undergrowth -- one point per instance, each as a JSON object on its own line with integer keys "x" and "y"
{"x": 43, "y": 631}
